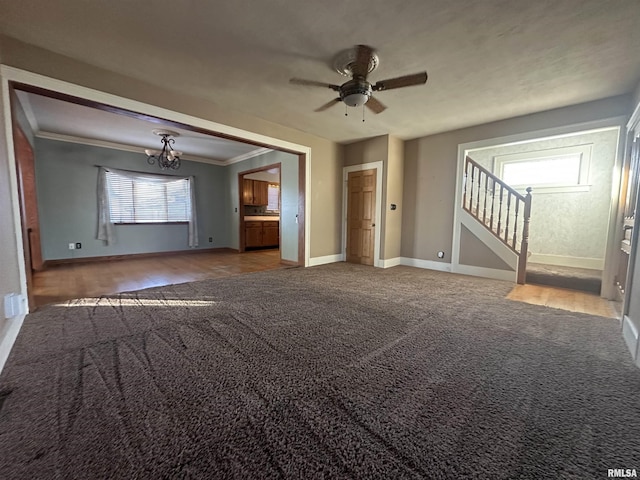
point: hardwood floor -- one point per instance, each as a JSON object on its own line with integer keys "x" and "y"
{"x": 76, "y": 280}
{"x": 572, "y": 300}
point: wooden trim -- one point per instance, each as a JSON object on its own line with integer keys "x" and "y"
{"x": 242, "y": 240}
{"x": 289, "y": 262}
{"x": 494, "y": 178}
{"x": 261, "y": 169}
{"x": 137, "y": 115}
{"x": 114, "y": 258}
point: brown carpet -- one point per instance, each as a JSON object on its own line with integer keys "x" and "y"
{"x": 332, "y": 372}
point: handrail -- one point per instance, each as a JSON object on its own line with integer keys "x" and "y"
{"x": 497, "y": 179}
{"x": 480, "y": 193}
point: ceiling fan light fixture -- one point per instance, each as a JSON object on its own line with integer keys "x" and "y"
{"x": 355, "y": 93}
{"x": 356, "y": 99}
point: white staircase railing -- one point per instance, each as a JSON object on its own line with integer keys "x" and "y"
{"x": 501, "y": 209}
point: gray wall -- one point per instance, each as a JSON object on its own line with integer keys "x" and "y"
{"x": 66, "y": 176}
{"x": 430, "y": 170}
{"x": 474, "y": 252}
{"x": 288, "y": 199}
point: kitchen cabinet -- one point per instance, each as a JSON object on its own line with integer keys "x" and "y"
{"x": 255, "y": 192}
{"x": 271, "y": 234}
{"x": 261, "y": 192}
{"x": 262, "y": 234}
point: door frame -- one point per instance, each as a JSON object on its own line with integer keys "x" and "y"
{"x": 608, "y": 288}
{"x": 48, "y": 86}
{"x": 241, "y": 233}
{"x": 377, "y": 166}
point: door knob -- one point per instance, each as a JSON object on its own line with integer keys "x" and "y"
{"x": 373, "y": 224}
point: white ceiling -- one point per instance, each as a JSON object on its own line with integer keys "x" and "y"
{"x": 487, "y": 59}
{"x": 56, "y": 119}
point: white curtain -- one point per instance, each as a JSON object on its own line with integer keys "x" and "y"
{"x": 105, "y": 225}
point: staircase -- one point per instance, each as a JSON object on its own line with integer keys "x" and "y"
{"x": 503, "y": 211}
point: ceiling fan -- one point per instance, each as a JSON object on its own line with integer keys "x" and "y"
{"x": 357, "y": 63}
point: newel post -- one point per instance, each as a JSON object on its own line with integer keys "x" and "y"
{"x": 524, "y": 245}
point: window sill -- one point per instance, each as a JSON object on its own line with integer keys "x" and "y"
{"x": 151, "y": 223}
{"x": 555, "y": 189}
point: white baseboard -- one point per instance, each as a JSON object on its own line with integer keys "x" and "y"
{"x": 494, "y": 273}
{"x": 566, "y": 261}
{"x": 428, "y": 264}
{"x": 9, "y": 335}
{"x": 315, "y": 261}
{"x": 630, "y": 336}
{"x": 391, "y": 262}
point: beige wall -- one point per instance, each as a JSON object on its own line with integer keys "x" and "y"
{"x": 9, "y": 258}
{"x": 390, "y": 151}
{"x": 366, "y": 151}
{"x": 393, "y": 194}
{"x": 430, "y": 169}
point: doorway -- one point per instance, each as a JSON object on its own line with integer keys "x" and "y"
{"x": 110, "y": 103}
{"x": 260, "y": 204}
{"x": 362, "y": 211}
{"x": 562, "y": 211}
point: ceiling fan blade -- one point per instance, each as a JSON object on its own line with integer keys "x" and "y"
{"x": 375, "y": 105}
{"x": 313, "y": 83}
{"x": 327, "y": 105}
{"x": 399, "y": 82}
{"x": 361, "y": 65}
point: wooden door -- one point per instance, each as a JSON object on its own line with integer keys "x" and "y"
{"x": 361, "y": 216}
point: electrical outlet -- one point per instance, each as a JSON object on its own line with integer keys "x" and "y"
{"x": 72, "y": 246}
{"x": 78, "y": 246}
{"x": 210, "y": 239}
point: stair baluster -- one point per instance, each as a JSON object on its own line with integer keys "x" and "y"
{"x": 515, "y": 224}
{"x": 486, "y": 192}
{"x": 506, "y": 229}
{"x": 473, "y": 168}
{"x": 477, "y": 215}
{"x": 500, "y": 211}
{"x": 506, "y": 216}
{"x": 493, "y": 200}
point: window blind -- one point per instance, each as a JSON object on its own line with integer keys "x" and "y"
{"x": 274, "y": 197}
{"x": 133, "y": 200}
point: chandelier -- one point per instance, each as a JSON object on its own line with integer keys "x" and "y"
{"x": 167, "y": 157}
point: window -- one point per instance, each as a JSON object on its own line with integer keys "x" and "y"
{"x": 274, "y": 198}
{"x": 143, "y": 200}
{"x": 557, "y": 170}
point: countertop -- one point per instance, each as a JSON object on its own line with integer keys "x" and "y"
{"x": 261, "y": 218}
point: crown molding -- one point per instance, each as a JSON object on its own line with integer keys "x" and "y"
{"x": 28, "y": 112}
{"x": 247, "y": 156}
{"x": 118, "y": 146}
